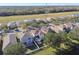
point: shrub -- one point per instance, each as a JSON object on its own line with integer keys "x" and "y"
{"x": 5, "y": 28}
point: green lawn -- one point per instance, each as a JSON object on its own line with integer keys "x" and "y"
{"x": 46, "y": 51}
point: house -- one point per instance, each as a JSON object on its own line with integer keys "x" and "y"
{"x": 11, "y": 25}
{"x": 37, "y": 20}
{"x": 33, "y": 37}
{"x": 19, "y": 23}
{"x": 31, "y": 28}
{"x": 8, "y": 40}
{"x": 29, "y": 20}
{"x": 67, "y": 27}
{"x": 48, "y": 19}
{"x": 76, "y": 25}
{"x": 39, "y": 35}
{"x": 55, "y": 28}
{"x": 44, "y": 29}
{"x": 25, "y": 38}
{"x": 61, "y": 18}
{"x": 1, "y": 32}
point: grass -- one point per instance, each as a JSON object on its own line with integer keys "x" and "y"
{"x": 46, "y": 51}
{"x": 22, "y": 17}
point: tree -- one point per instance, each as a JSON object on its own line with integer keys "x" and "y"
{"x": 16, "y": 49}
{"x": 71, "y": 43}
{"x": 48, "y": 37}
{"x": 58, "y": 38}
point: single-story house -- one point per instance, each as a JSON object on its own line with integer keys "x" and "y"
{"x": 26, "y": 38}
{"x": 11, "y": 25}
{"x": 67, "y": 27}
{"x": 32, "y": 37}
{"x": 55, "y": 28}
{"x": 28, "y": 20}
{"x": 39, "y": 35}
{"x": 19, "y": 23}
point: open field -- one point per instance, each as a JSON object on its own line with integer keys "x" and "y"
{"x": 23, "y": 17}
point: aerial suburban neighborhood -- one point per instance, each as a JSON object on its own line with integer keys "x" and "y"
{"x": 39, "y": 31}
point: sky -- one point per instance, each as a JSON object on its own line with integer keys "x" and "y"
{"x": 37, "y": 2}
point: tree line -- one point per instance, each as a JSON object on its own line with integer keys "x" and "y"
{"x": 29, "y": 10}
